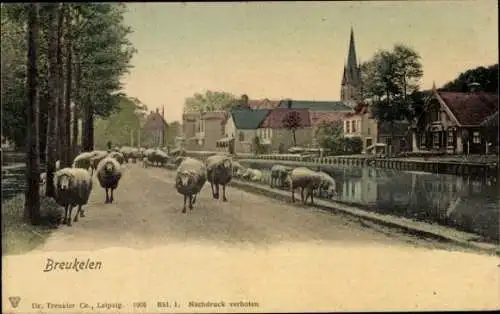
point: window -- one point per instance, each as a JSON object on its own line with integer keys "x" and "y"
{"x": 475, "y": 138}
{"x": 422, "y": 139}
{"x": 222, "y": 129}
{"x": 450, "y": 137}
{"x": 241, "y": 137}
{"x": 368, "y": 131}
{"x": 353, "y": 126}
{"x": 435, "y": 138}
{"x": 347, "y": 125}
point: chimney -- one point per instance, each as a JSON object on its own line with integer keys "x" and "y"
{"x": 474, "y": 87}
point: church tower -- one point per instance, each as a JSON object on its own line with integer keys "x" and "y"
{"x": 351, "y": 78}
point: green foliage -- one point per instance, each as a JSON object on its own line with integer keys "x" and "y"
{"x": 353, "y": 145}
{"x": 210, "y": 101}
{"x": 119, "y": 126}
{"x": 99, "y": 38}
{"x": 487, "y": 77}
{"x": 330, "y": 137}
{"x": 391, "y": 83}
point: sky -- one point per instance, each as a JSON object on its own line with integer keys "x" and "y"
{"x": 295, "y": 50}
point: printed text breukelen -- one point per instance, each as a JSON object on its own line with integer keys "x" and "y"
{"x": 76, "y": 265}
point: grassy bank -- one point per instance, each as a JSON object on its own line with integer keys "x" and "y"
{"x": 18, "y": 236}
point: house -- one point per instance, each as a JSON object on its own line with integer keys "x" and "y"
{"x": 396, "y": 136}
{"x": 321, "y": 112}
{"x": 360, "y": 123}
{"x": 451, "y": 122}
{"x": 274, "y": 134}
{"x": 203, "y": 130}
{"x": 242, "y": 125}
{"x": 154, "y": 129}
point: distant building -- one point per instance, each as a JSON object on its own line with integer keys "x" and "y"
{"x": 275, "y": 134}
{"x": 202, "y": 131}
{"x": 154, "y": 129}
{"x": 451, "y": 122}
{"x": 360, "y": 123}
{"x": 242, "y": 125}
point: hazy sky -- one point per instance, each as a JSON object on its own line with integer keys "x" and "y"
{"x": 295, "y": 49}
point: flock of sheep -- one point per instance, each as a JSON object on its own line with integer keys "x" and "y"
{"x": 73, "y": 185}
{"x": 219, "y": 169}
{"x": 315, "y": 183}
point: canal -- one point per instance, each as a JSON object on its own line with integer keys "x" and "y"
{"x": 465, "y": 204}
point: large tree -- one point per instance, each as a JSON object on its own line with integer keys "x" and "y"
{"x": 32, "y": 203}
{"x": 391, "y": 84}
{"x": 486, "y": 77}
{"x": 209, "y": 101}
{"x": 121, "y": 125}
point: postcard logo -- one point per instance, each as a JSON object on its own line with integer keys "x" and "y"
{"x": 14, "y": 301}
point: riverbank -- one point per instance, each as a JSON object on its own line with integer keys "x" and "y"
{"x": 416, "y": 228}
{"x": 473, "y": 166}
{"x": 18, "y": 236}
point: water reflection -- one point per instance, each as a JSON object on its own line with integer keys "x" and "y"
{"x": 13, "y": 180}
{"x": 469, "y": 205}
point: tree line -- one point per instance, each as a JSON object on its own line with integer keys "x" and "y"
{"x": 61, "y": 64}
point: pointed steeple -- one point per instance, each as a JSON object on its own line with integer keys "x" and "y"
{"x": 344, "y": 78}
{"x": 352, "y": 64}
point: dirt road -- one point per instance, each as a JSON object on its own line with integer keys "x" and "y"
{"x": 147, "y": 212}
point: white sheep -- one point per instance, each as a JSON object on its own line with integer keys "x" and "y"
{"x": 327, "y": 184}
{"x": 279, "y": 174}
{"x": 219, "y": 172}
{"x": 72, "y": 188}
{"x": 98, "y": 156}
{"x": 118, "y": 156}
{"x": 109, "y": 174}
{"x": 190, "y": 179}
{"x": 145, "y": 162}
{"x": 83, "y": 160}
{"x": 305, "y": 179}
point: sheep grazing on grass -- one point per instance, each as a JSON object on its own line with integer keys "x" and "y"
{"x": 190, "y": 179}
{"x": 83, "y": 160}
{"x": 253, "y": 175}
{"x": 237, "y": 167}
{"x": 219, "y": 172}
{"x": 109, "y": 175}
{"x": 327, "y": 185}
{"x": 279, "y": 174}
{"x": 72, "y": 188}
{"x": 305, "y": 179}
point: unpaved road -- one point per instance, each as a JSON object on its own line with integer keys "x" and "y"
{"x": 147, "y": 213}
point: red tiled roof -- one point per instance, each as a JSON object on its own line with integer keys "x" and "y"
{"x": 274, "y": 119}
{"x": 470, "y": 108}
{"x": 322, "y": 117}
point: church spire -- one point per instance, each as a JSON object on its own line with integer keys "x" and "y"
{"x": 352, "y": 64}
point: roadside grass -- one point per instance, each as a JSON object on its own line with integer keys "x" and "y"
{"x": 18, "y": 236}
